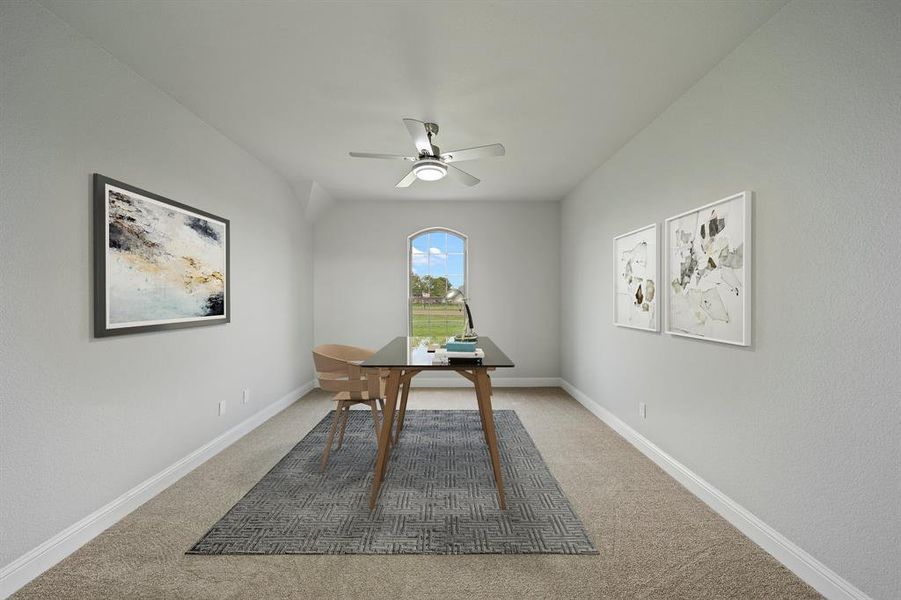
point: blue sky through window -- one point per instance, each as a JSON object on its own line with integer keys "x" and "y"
{"x": 439, "y": 254}
{"x": 455, "y": 244}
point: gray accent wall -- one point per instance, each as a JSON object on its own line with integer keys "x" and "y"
{"x": 84, "y": 420}
{"x": 803, "y": 428}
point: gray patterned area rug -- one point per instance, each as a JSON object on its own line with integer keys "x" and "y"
{"x": 438, "y": 497}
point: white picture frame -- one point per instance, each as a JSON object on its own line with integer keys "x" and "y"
{"x": 711, "y": 303}
{"x": 636, "y": 279}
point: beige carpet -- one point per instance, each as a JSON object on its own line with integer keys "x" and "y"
{"x": 655, "y": 539}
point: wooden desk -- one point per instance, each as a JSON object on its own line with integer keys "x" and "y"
{"x": 406, "y": 357}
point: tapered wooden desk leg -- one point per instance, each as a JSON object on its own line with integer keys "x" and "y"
{"x": 405, "y": 392}
{"x": 483, "y": 392}
{"x": 381, "y": 460}
{"x": 481, "y": 412}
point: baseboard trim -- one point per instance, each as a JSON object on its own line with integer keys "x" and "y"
{"x": 31, "y": 564}
{"x": 801, "y": 563}
{"x": 500, "y": 382}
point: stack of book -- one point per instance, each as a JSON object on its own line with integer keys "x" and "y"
{"x": 462, "y": 352}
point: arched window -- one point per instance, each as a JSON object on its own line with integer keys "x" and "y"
{"x": 436, "y": 261}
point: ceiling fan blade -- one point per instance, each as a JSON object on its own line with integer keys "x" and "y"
{"x": 420, "y": 136}
{"x": 461, "y": 176}
{"x": 407, "y": 181}
{"x": 377, "y": 155}
{"x": 473, "y": 153}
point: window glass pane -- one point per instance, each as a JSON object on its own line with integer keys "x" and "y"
{"x": 454, "y": 243}
{"x": 455, "y": 264}
{"x": 438, "y": 241}
{"x": 420, "y": 266}
{"x": 437, "y": 265}
{"x": 419, "y": 318}
{"x": 421, "y": 243}
{"x": 416, "y": 285}
{"x": 439, "y": 287}
{"x": 456, "y": 281}
{"x": 419, "y": 255}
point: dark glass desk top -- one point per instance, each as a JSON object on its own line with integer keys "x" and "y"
{"x": 413, "y": 352}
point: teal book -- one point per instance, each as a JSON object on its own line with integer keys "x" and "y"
{"x": 461, "y": 346}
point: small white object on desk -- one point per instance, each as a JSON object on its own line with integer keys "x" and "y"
{"x": 443, "y": 357}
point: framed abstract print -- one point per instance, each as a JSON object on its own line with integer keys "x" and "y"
{"x": 636, "y": 279}
{"x": 158, "y": 264}
{"x": 708, "y": 271}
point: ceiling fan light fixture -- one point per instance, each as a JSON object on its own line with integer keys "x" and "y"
{"x": 428, "y": 169}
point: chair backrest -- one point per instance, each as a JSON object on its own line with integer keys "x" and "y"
{"x": 338, "y": 371}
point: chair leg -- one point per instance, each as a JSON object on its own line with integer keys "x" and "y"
{"x": 375, "y": 418}
{"x": 345, "y": 416}
{"x": 331, "y": 436}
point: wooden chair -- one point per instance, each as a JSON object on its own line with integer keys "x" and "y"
{"x": 338, "y": 370}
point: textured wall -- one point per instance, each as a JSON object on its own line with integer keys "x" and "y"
{"x": 84, "y": 420}
{"x": 804, "y": 428}
{"x": 514, "y": 260}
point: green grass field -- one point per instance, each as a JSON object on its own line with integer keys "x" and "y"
{"x": 437, "y": 320}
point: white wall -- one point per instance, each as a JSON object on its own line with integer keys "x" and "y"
{"x": 84, "y": 420}
{"x": 803, "y": 428}
{"x": 514, "y": 259}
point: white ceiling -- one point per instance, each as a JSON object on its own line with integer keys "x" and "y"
{"x": 299, "y": 84}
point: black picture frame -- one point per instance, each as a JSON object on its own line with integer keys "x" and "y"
{"x": 100, "y": 249}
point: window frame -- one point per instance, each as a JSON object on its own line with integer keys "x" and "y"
{"x": 409, "y": 262}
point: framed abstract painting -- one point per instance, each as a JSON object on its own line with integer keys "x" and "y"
{"x": 708, "y": 271}
{"x": 637, "y": 278}
{"x": 158, "y": 264}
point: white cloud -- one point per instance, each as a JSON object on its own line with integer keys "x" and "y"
{"x": 422, "y": 262}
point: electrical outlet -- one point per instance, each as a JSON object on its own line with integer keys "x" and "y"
{"x": 221, "y": 407}
{"x": 642, "y": 410}
{"x": 246, "y": 396}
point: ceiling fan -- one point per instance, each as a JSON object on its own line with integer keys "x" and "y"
{"x": 431, "y": 164}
